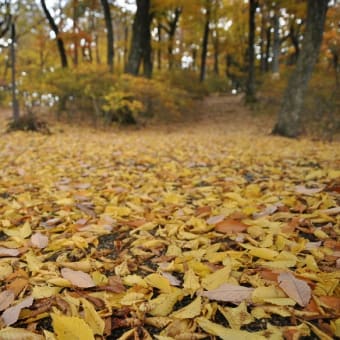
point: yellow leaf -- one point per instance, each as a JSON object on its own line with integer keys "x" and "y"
{"x": 65, "y": 201}
{"x": 226, "y": 333}
{"x": 238, "y": 316}
{"x": 190, "y": 311}
{"x": 21, "y": 232}
{"x": 33, "y": 263}
{"x": 40, "y": 292}
{"x": 260, "y": 294}
{"x": 191, "y": 281}
{"x": 10, "y": 333}
{"x": 335, "y": 325}
{"x": 264, "y": 253}
{"x": 131, "y": 298}
{"x": 159, "y": 282}
{"x": 217, "y": 278}
{"x": 70, "y": 327}
{"x": 92, "y": 318}
{"x": 163, "y": 304}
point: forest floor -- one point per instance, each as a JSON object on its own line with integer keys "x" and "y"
{"x": 209, "y": 228}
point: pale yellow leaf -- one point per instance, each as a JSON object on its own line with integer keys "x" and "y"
{"x": 92, "y": 317}
{"x": 226, "y": 333}
{"x": 190, "y": 311}
{"x": 158, "y": 281}
{"x": 70, "y": 327}
{"x": 19, "y": 232}
{"x": 217, "y": 278}
{"x": 10, "y": 333}
{"x": 237, "y": 316}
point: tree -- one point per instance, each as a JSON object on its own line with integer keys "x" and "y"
{"x": 289, "y": 116}
{"x": 250, "y": 86}
{"x": 140, "y": 50}
{"x": 109, "y": 34}
{"x": 55, "y": 29}
{"x": 205, "y": 40}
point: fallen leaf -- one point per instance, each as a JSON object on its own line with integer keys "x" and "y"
{"x": 11, "y": 315}
{"x": 70, "y": 327}
{"x": 8, "y": 252}
{"x": 301, "y": 189}
{"x": 190, "y": 311}
{"x": 230, "y": 226}
{"x": 295, "y": 288}
{"x": 77, "y": 278}
{"x": 229, "y": 293}
{"x": 6, "y": 299}
{"x": 10, "y": 333}
{"x": 39, "y": 240}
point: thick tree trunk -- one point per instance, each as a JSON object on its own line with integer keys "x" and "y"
{"x": 289, "y": 116}
{"x": 250, "y": 85}
{"x": 140, "y": 49}
{"x": 205, "y": 41}
{"x": 109, "y": 34}
{"x": 55, "y": 29}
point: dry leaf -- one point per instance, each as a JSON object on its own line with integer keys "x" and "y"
{"x": 10, "y": 333}
{"x": 39, "y": 240}
{"x": 296, "y": 289}
{"x": 6, "y": 299}
{"x": 229, "y": 293}
{"x": 11, "y": 315}
{"x": 8, "y": 252}
{"x": 301, "y": 189}
{"x": 77, "y": 278}
{"x": 230, "y": 226}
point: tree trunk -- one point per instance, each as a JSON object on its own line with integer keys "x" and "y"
{"x": 276, "y": 45}
{"x": 205, "y": 41}
{"x": 109, "y": 34}
{"x": 171, "y": 31}
{"x": 55, "y": 29}
{"x": 289, "y": 116}
{"x": 268, "y": 47}
{"x": 250, "y": 85}
{"x": 15, "y": 103}
{"x": 159, "y": 49}
{"x": 263, "y": 39}
{"x": 140, "y": 49}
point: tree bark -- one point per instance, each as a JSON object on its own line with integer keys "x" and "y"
{"x": 55, "y": 29}
{"x": 109, "y": 34}
{"x": 172, "y": 23}
{"x": 289, "y": 116}
{"x": 140, "y": 49}
{"x": 250, "y": 85}
{"x": 15, "y": 103}
{"x": 276, "y": 44}
{"x": 205, "y": 41}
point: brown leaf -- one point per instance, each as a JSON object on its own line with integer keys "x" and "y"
{"x": 296, "y": 289}
{"x": 229, "y": 293}
{"x": 332, "y": 302}
{"x": 230, "y": 226}
{"x": 77, "y": 278}
{"x": 11, "y": 315}
{"x": 6, "y": 298}
{"x": 18, "y": 285}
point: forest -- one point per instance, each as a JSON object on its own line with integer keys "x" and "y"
{"x": 169, "y": 169}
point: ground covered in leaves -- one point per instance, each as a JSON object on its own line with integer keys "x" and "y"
{"x": 193, "y": 232}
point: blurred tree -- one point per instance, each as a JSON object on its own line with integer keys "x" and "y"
{"x": 109, "y": 34}
{"x": 140, "y": 49}
{"x": 289, "y": 117}
{"x": 55, "y": 29}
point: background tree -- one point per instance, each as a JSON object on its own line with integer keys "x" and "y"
{"x": 109, "y": 33}
{"x": 55, "y": 29}
{"x": 140, "y": 50}
{"x": 289, "y": 116}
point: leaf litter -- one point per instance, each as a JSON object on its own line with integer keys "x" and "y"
{"x": 188, "y": 234}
